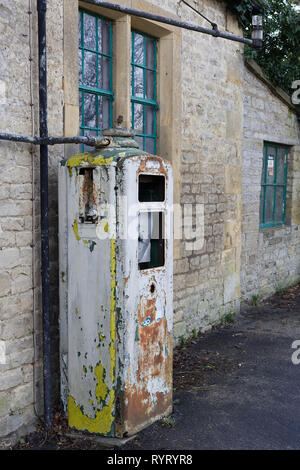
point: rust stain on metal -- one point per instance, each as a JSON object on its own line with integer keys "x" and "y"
{"x": 143, "y": 404}
{"x": 160, "y": 170}
{"x": 89, "y": 194}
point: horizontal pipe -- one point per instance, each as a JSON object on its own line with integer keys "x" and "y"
{"x": 91, "y": 141}
{"x": 170, "y": 21}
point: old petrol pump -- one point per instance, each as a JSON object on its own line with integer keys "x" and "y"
{"x": 116, "y": 272}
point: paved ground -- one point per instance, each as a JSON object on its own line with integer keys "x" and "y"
{"x": 235, "y": 388}
{"x": 251, "y": 400}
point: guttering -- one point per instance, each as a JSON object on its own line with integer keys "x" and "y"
{"x": 162, "y": 19}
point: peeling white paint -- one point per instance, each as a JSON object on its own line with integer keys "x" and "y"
{"x": 85, "y": 308}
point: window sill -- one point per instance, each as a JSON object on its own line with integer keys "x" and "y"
{"x": 270, "y": 226}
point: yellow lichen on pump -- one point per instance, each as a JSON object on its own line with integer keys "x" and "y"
{"x": 86, "y": 157}
{"x": 101, "y": 387}
{"x": 102, "y": 422}
{"x": 75, "y": 229}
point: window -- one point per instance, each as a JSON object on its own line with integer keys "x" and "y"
{"x": 95, "y": 73}
{"x": 144, "y": 94}
{"x": 273, "y": 185}
{"x": 151, "y": 252}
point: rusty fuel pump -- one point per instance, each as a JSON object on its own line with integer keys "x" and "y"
{"x": 116, "y": 274}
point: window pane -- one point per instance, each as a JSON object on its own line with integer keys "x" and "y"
{"x": 271, "y": 164}
{"x": 149, "y": 124}
{"x": 151, "y": 188}
{"x": 138, "y": 123}
{"x": 80, "y": 65}
{"x": 281, "y": 165}
{"x": 279, "y": 210}
{"x": 81, "y": 122}
{"x": 273, "y": 196}
{"x": 144, "y": 90}
{"x": 90, "y": 61}
{"x": 149, "y": 145}
{"x": 138, "y": 53}
{"x": 89, "y": 110}
{"x": 104, "y": 72}
{"x": 151, "y": 240}
{"x": 95, "y": 110}
{"x": 104, "y": 37}
{"x": 149, "y": 85}
{"x": 269, "y": 204}
{"x": 140, "y": 141}
{"x": 89, "y": 31}
{"x": 150, "y": 53}
{"x": 104, "y": 112}
{"x": 79, "y": 29}
{"x": 138, "y": 90}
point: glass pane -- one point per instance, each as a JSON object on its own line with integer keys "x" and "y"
{"x": 89, "y": 110}
{"x": 150, "y": 53}
{"x": 90, "y": 63}
{"x": 89, "y": 31}
{"x": 281, "y": 156}
{"x": 81, "y": 122}
{"x": 279, "y": 209}
{"x": 104, "y": 72}
{"x": 138, "y": 118}
{"x": 138, "y": 82}
{"x": 104, "y": 111}
{"x": 149, "y": 117}
{"x": 151, "y": 188}
{"x": 271, "y": 164}
{"x": 80, "y": 65}
{"x": 269, "y": 204}
{"x": 149, "y": 145}
{"x": 79, "y": 29}
{"x": 104, "y": 37}
{"x": 151, "y": 240}
{"x": 138, "y": 52}
{"x": 140, "y": 141}
{"x": 149, "y": 85}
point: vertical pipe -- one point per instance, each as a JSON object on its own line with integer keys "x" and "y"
{"x": 42, "y": 7}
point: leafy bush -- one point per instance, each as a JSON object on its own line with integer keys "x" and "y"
{"x": 280, "y": 56}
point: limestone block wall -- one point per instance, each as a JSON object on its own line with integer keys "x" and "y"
{"x": 270, "y": 256}
{"x": 20, "y": 302}
{"x": 207, "y": 281}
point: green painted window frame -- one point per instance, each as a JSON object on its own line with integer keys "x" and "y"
{"x": 143, "y": 100}
{"x": 95, "y": 90}
{"x": 275, "y": 185}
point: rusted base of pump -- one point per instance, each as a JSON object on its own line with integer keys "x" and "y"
{"x": 108, "y": 442}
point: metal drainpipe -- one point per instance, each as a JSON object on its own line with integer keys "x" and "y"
{"x": 41, "y": 9}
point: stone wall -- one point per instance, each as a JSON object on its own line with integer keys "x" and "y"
{"x": 20, "y": 300}
{"x": 206, "y": 282}
{"x": 270, "y": 256}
